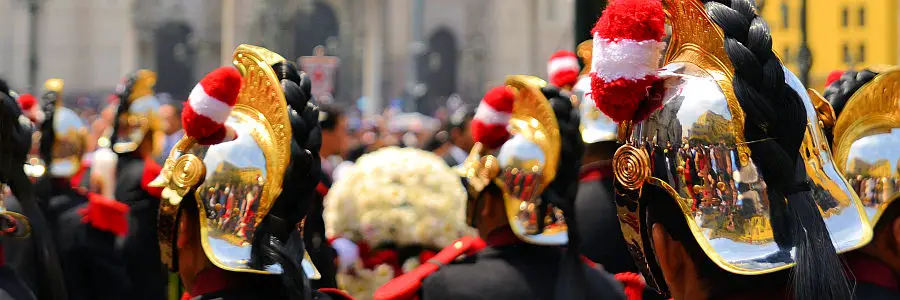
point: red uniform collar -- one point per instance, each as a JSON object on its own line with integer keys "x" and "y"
{"x": 212, "y": 280}
{"x": 869, "y": 269}
{"x": 596, "y": 171}
{"x": 502, "y": 237}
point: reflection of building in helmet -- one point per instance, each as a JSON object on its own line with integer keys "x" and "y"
{"x": 867, "y": 136}
{"x": 523, "y": 161}
{"x": 740, "y": 172}
{"x": 232, "y": 162}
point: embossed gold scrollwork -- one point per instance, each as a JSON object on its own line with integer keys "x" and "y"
{"x": 823, "y": 109}
{"x": 186, "y": 172}
{"x": 631, "y": 166}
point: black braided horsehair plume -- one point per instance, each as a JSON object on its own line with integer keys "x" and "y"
{"x": 775, "y": 126}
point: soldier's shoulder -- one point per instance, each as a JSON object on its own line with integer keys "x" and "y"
{"x": 408, "y": 285}
{"x": 482, "y": 276}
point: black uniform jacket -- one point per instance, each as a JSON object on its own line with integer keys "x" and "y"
{"x": 874, "y": 279}
{"x": 506, "y": 269}
{"x": 212, "y": 284}
{"x": 93, "y": 267}
{"x": 31, "y": 259}
{"x": 598, "y": 225}
{"x": 11, "y": 287}
{"x": 141, "y": 248}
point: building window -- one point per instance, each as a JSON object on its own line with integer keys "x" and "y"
{"x": 786, "y": 55}
{"x": 847, "y": 58}
{"x": 845, "y": 16}
{"x": 785, "y": 16}
{"x": 862, "y": 16}
{"x": 862, "y": 53}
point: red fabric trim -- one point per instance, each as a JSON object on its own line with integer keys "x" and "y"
{"x": 588, "y": 262}
{"x": 76, "y": 179}
{"x": 336, "y": 292}
{"x": 186, "y": 296}
{"x": 151, "y": 170}
{"x": 869, "y": 269}
{"x": 596, "y": 171}
{"x": 105, "y": 214}
{"x": 406, "y": 286}
{"x": 322, "y": 189}
{"x": 634, "y": 285}
{"x": 211, "y": 280}
{"x": 502, "y": 237}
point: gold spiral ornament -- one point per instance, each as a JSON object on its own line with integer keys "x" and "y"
{"x": 188, "y": 171}
{"x": 631, "y": 167}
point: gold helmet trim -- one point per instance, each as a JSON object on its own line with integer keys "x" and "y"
{"x": 524, "y": 166}
{"x": 872, "y": 110}
{"x": 262, "y": 110}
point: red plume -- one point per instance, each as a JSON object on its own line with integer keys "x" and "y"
{"x": 105, "y": 214}
{"x": 209, "y": 105}
{"x": 30, "y": 108}
{"x": 492, "y": 117}
{"x": 563, "y": 68}
{"x": 833, "y": 76}
{"x": 627, "y": 49}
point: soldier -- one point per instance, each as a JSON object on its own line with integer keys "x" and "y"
{"x": 597, "y": 222}
{"x": 867, "y": 132}
{"x": 729, "y": 88}
{"x": 85, "y": 225}
{"x": 35, "y": 256}
{"x": 136, "y": 139}
{"x": 252, "y": 130}
{"x": 521, "y": 184}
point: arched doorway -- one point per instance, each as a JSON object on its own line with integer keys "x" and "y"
{"x": 318, "y": 27}
{"x": 174, "y": 59}
{"x": 437, "y": 69}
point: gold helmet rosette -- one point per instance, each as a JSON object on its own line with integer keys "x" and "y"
{"x": 867, "y": 141}
{"x": 232, "y": 162}
{"x": 712, "y": 176}
{"x": 64, "y": 139}
{"x": 137, "y": 117}
{"x": 12, "y": 224}
{"x": 517, "y": 149}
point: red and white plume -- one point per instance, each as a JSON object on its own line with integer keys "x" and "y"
{"x": 30, "y": 108}
{"x": 563, "y": 68}
{"x": 833, "y": 76}
{"x": 627, "y": 50}
{"x": 209, "y": 105}
{"x": 492, "y": 117}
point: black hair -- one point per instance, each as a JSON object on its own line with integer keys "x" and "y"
{"x": 840, "y": 91}
{"x": 775, "y": 125}
{"x": 280, "y": 241}
{"x": 564, "y": 189}
{"x": 438, "y": 139}
{"x": 329, "y": 116}
{"x": 123, "y": 105}
{"x": 459, "y": 119}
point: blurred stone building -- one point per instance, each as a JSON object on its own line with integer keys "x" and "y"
{"x": 389, "y": 49}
